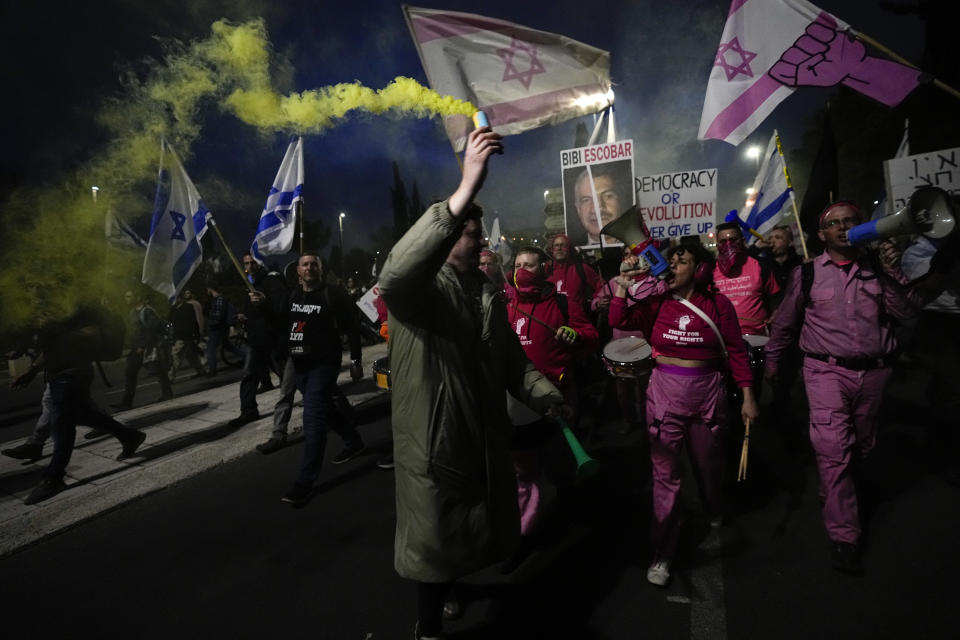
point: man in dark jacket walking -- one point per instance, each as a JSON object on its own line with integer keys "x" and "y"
{"x": 68, "y": 347}
{"x": 262, "y": 316}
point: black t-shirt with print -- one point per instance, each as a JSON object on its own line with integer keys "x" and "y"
{"x": 314, "y": 336}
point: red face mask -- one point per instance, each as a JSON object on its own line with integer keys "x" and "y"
{"x": 730, "y": 258}
{"x": 529, "y": 283}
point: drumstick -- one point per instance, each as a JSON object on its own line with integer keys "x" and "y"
{"x": 642, "y": 343}
{"x": 534, "y": 318}
{"x": 742, "y": 471}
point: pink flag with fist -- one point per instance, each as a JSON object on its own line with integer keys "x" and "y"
{"x": 771, "y": 47}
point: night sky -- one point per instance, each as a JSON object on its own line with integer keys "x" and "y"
{"x": 62, "y": 60}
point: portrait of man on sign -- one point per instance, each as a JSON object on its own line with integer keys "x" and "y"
{"x": 595, "y": 195}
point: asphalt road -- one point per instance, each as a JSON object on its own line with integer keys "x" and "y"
{"x": 219, "y": 556}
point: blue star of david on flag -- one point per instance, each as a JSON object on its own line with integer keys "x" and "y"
{"x": 278, "y": 221}
{"x": 178, "y": 220}
{"x": 174, "y": 251}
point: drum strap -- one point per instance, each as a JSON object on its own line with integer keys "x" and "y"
{"x": 697, "y": 310}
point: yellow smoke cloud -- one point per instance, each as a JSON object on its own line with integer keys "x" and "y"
{"x": 316, "y": 110}
{"x": 55, "y": 255}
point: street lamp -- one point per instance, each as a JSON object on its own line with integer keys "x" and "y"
{"x": 93, "y": 190}
{"x": 753, "y": 153}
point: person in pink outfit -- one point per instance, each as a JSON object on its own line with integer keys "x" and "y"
{"x": 686, "y": 398}
{"x": 552, "y": 331}
{"x": 742, "y": 279}
{"x": 843, "y": 306}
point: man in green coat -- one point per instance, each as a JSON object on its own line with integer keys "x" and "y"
{"x": 453, "y": 356}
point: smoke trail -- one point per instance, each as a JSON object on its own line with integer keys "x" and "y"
{"x": 54, "y": 245}
{"x": 244, "y": 50}
{"x": 313, "y": 111}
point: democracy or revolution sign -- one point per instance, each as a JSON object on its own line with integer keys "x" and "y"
{"x": 932, "y": 169}
{"x": 677, "y": 204}
{"x": 596, "y": 190}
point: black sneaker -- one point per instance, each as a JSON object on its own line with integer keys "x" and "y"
{"x": 845, "y": 557}
{"x": 348, "y": 454}
{"x": 271, "y": 445}
{"x": 25, "y": 451}
{"x": 386, "y": 462}
{"x": 130, "y": 446}
{"x": 298, "y": 495}
{"x": 47, "y": 488}
{"x": 93, "y": 434}
{"x": 244, "y": 418}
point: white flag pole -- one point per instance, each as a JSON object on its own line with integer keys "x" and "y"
{"x": 596, "y": 128}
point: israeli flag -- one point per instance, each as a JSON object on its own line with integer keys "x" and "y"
{"x": 179, "y": 222}
{"x": 772, "y": 193}
{"x": 279, "y": 220}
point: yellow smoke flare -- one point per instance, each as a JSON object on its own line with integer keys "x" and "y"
{"x": 314, "y": 111}
{"x": 54, "y": 249}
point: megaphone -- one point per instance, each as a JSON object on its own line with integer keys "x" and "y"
{"x": 929, "y": 212}
{"x": 630, "y": 229}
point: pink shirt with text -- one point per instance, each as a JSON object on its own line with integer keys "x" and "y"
{"x": 746, "y": 292}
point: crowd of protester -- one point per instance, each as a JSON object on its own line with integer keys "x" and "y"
{"x": 488, "y": 360}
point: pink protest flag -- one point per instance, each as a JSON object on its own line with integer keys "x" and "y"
{"x": 771, "y": 47}
{"x": 522, "y": 78}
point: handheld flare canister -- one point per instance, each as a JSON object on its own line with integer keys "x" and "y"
{"x": 480, "y": 120}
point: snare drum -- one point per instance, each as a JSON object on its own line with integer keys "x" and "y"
{"x": 755, "y": 345}
{"x": 629, "y": 357}
{"x": 381, "y": 372}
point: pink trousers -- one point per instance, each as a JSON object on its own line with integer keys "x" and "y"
{"x": 684, "y": 406}
{"x": 843, "y": 420}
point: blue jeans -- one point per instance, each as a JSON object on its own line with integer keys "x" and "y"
{"x": 318, "y": 385}
{"x": 70, "y": 404}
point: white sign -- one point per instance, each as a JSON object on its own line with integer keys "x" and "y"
{"x": 367, "y": 303}
{"x": 596, "y": 190}
{"x": 932, "y": 169}
{"x": 677, "y": 204}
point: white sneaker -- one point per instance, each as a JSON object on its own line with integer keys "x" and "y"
{"x": 659, "y": 573}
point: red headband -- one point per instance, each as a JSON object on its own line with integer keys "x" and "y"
{"x": 840, "y": 203}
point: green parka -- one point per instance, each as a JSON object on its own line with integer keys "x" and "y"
{"x": 450, "y": 366}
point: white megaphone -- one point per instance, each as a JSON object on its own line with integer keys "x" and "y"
{"x": 929, "y": 212}
{"x": 630, "y": 229}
